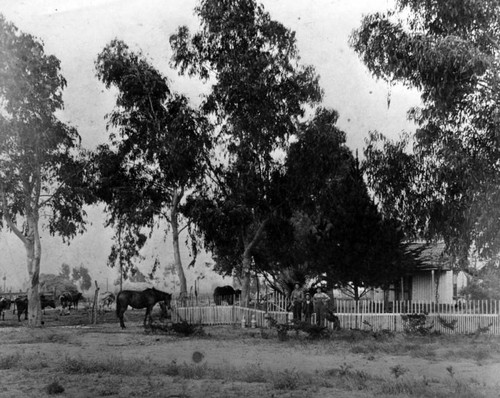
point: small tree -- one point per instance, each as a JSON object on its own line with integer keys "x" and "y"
{"x": 41, "y": 171}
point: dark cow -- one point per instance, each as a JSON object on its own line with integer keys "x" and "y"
{"x": 226, "y": 293}
{"x": 4, "y": 305}
{"x": 68, "y": 299}
{"x": 22, "y": 307}
{"x": 47, "y": 302}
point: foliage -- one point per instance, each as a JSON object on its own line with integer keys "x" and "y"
{"x": 446, "y": 184}
{"x": 50, "y": 283}
{"x": 337, "y": 225}
{"x": 416, "y": 324}
{"x": 258, "y": 92}
{"x": 81, "y": 276}
{"x": 65, "y": 271}
{"x": 157, "y": 153}
{"x": 484, "y": 285}
{"x": 42, "y": 167}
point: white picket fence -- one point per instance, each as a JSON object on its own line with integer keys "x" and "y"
{"x": 455, "y": 323}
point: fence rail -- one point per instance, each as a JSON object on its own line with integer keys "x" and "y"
{"x": 465, "y": 322}
{"x": 345, "y": 306}
{"x": 342, "y": 306}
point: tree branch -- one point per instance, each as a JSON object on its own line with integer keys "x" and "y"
{"x": 8, "y": 219}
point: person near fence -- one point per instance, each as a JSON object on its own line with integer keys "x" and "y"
{"x": 297, "y": 297}
{"x": 308, "y": 308}
{"x": 320, "y": 301}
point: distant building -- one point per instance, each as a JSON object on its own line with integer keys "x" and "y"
{"x": 434, "y": 280}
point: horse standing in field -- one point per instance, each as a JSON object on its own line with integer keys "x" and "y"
{"x": 145, "y": 299}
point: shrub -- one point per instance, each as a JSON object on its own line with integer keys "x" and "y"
{"x": 54, "y": 388}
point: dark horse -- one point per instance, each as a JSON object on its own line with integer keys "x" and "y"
{"x": 145, "y": 299}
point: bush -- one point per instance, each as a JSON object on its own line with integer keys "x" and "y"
{"x": 54, "y": 388}
{"x": 416, "y": 324}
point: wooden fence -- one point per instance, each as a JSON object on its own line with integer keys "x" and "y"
{"x": 489, "y": 307}
{"x": 465, "y": 322}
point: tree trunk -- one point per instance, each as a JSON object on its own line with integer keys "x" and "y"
{"x": 247, "y": 262}
{"x": 245, "y": 277}
{"x": 174, "y": 222}
{"x": 34, "y": 252}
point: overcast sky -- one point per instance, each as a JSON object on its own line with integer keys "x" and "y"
{"x": 75, "y": 31}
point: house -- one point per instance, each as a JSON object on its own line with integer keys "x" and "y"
{"x": 433, "y": 280}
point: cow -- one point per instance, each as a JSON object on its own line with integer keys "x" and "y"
{"x": 4, "y": 305}
{"x": 68, "y": 299}
{"x": 107, "y": 299}
{"x": 22, "y": 307}
{"x": 226, "y": 293}
{"x": 47, "y": 302}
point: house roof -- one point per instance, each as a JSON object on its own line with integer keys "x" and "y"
{"x": 432, "y": 256}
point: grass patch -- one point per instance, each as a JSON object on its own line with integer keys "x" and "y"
{"x": 11, "y": 361}
{"x": 290, "y": 380}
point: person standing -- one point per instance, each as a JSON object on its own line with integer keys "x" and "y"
{"x": 320, "y": 300}
{"x": 297, "y": 297}
{"x": 308, "y": 308}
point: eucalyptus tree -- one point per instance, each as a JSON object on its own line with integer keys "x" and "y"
{"x": 157, "y": 151}
{"x": 258, "y": 92}
{"x": 42, "y": 177}
{"x": 447, "y": 184}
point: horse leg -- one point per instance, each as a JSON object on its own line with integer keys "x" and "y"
{"x": 119, "y": 313}
{"x": 146, "y": 316}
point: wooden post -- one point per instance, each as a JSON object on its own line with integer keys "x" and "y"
{"x": 95, "y": 306}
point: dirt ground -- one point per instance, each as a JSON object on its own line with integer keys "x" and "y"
{"x": 70, "y": 358}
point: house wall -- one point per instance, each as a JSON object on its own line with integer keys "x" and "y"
{"x": 423, "y": 288}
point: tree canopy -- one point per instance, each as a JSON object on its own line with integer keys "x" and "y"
{"x": 446, "y": 185}
{"x": 42, "y": 169}
{"x": 258, "y": 92}
{"x": 346, "y": 239}
{"x": 156, "y": 154}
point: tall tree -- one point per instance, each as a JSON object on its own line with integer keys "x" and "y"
{"x": 259, "y": 91}
{"x": 344, "y": 236}
{"x": 40, "y": 167}
{"x": 447, "y": 184}
{"x": 156, "y": 155}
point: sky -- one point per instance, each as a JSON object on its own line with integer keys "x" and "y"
{"x": 76, "y": 31}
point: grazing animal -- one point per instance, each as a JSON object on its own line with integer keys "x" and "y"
{"x": 22, "y": 307}
{"x": 107, "y": 299}
{"x": 145, "y": 299}
{"x": 68, "y": 299}
{"x": 47, "y": 302}
{"x": 4, "y": 305}
{"x": 226, "y": 293}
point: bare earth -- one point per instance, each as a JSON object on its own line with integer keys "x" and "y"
{"x": 102, "y": 360}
